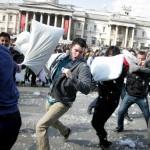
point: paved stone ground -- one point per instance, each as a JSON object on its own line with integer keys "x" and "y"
{"x": 83, "y": 136}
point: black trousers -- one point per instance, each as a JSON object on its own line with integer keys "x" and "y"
{"x": 103, "y": 110}
{"x": 9, "y": 130}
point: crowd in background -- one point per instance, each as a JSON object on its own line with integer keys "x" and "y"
{"x": 30, "y": 79}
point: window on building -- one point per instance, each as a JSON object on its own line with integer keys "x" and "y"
{"x": 119, "y": 30}
{"x": 4, "y": 18}
{"x": 10, "y": 18}
{"x": 10, "y": 30}
{"x": 86, "y": 26}
{"x": 135, "y": 44}
{"x": 143, "y": 33}
{"x": 135, "y": 33}
{"x": 2, "y": 30}
{"x": 78, "y": 36}
{"x": 95, "y": 27}
{"x": 78, "y": 25}
{"x": 142, "y": 45}
{"x": 93, "y": 40}
{"x": 102, "y": 41}
{"x": 103, "y": 29}
{"x": 113, "y": 27}
{"x": 85, "y": 37}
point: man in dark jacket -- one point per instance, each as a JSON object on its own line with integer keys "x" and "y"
{"x": 68, "y": 74}
{"x": 10, "y": 120}
{"x": 108, "y": 99}
{"x": 137, "y": 87}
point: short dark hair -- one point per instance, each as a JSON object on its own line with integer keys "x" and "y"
{"x": 114, "y": 51}
{"x": 132, "y": 51}
{"x": 5, "y": 34}
{"x": 80, "y": 42}
{"x": 142, "y": 53}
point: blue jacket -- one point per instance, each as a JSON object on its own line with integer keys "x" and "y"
{"x": 8, "y": 91}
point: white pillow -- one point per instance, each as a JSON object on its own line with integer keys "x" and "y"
{"x": 22, "y": 42}
{"x": 107, "y": 68}
{"x": 43, "y": 41}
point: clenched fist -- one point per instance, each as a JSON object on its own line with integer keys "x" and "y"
{"x": 67, "y": 72}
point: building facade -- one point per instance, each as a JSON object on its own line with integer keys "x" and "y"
{"x": 98, "y": 28}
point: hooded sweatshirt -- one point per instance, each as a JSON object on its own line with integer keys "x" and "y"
{"x": 8, "y": 91}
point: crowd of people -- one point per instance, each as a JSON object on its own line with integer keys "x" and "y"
{"x": 68, "y": 74}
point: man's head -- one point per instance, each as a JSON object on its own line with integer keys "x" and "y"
{"x": 141, "y": 57}
{"x": 78, "y": 48}
{"x": 112, "y": 51}
{"x": 4, "y": 39}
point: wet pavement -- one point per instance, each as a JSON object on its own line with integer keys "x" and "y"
{"x": 83, "y": 137}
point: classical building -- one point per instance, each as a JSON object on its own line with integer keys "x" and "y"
{"x": 98, "y": 28}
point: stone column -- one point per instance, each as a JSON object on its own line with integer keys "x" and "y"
{"x": 132, "y": 38}
{"x": 6, "y": 23}
{"x": 69, "y": 29}
{"x": 26, "y": 21}
{"x": 109, "y": 35}
{"x": 55, "y": 23}
{"x": 41, "y": 18}
{"x": 18, "y": 24}
{"x": 116, "y": 34}
{"x": 48, "y": 19}
{"x": 82, "y": 31}
{"x": 34, "y": 16}
{"x": 62, "y": 25}
{"x": 126, "y": 37}
{"x": 62, "y": 21}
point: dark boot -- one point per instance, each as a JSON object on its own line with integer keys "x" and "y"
{"x": 118, "y": 129}
{"x": 104, "y": 143}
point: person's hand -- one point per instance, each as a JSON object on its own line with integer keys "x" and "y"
{"x": 67, "y": 72}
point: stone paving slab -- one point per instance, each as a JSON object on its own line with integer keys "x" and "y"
{"x": 83, "y": 137}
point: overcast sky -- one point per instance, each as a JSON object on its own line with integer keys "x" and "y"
{"x": 139, "y": 7}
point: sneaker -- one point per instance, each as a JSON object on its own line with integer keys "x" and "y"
{"x": 128, "y": 118}
{"x": 67, "y": 135}
{"x": 118, "y": 129}
{"x": 104, "y": 143}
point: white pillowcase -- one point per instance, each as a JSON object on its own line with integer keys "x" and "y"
{"x": 107, "y": 68}
{"x": 42, "y": 42}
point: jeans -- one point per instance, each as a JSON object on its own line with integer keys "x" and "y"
{"x": 9, "y": 129}
{"x": 54, "y": 112}
{"x": 128, "y": 100}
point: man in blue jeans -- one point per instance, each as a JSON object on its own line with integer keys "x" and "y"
{"x": 137, "y": 88}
